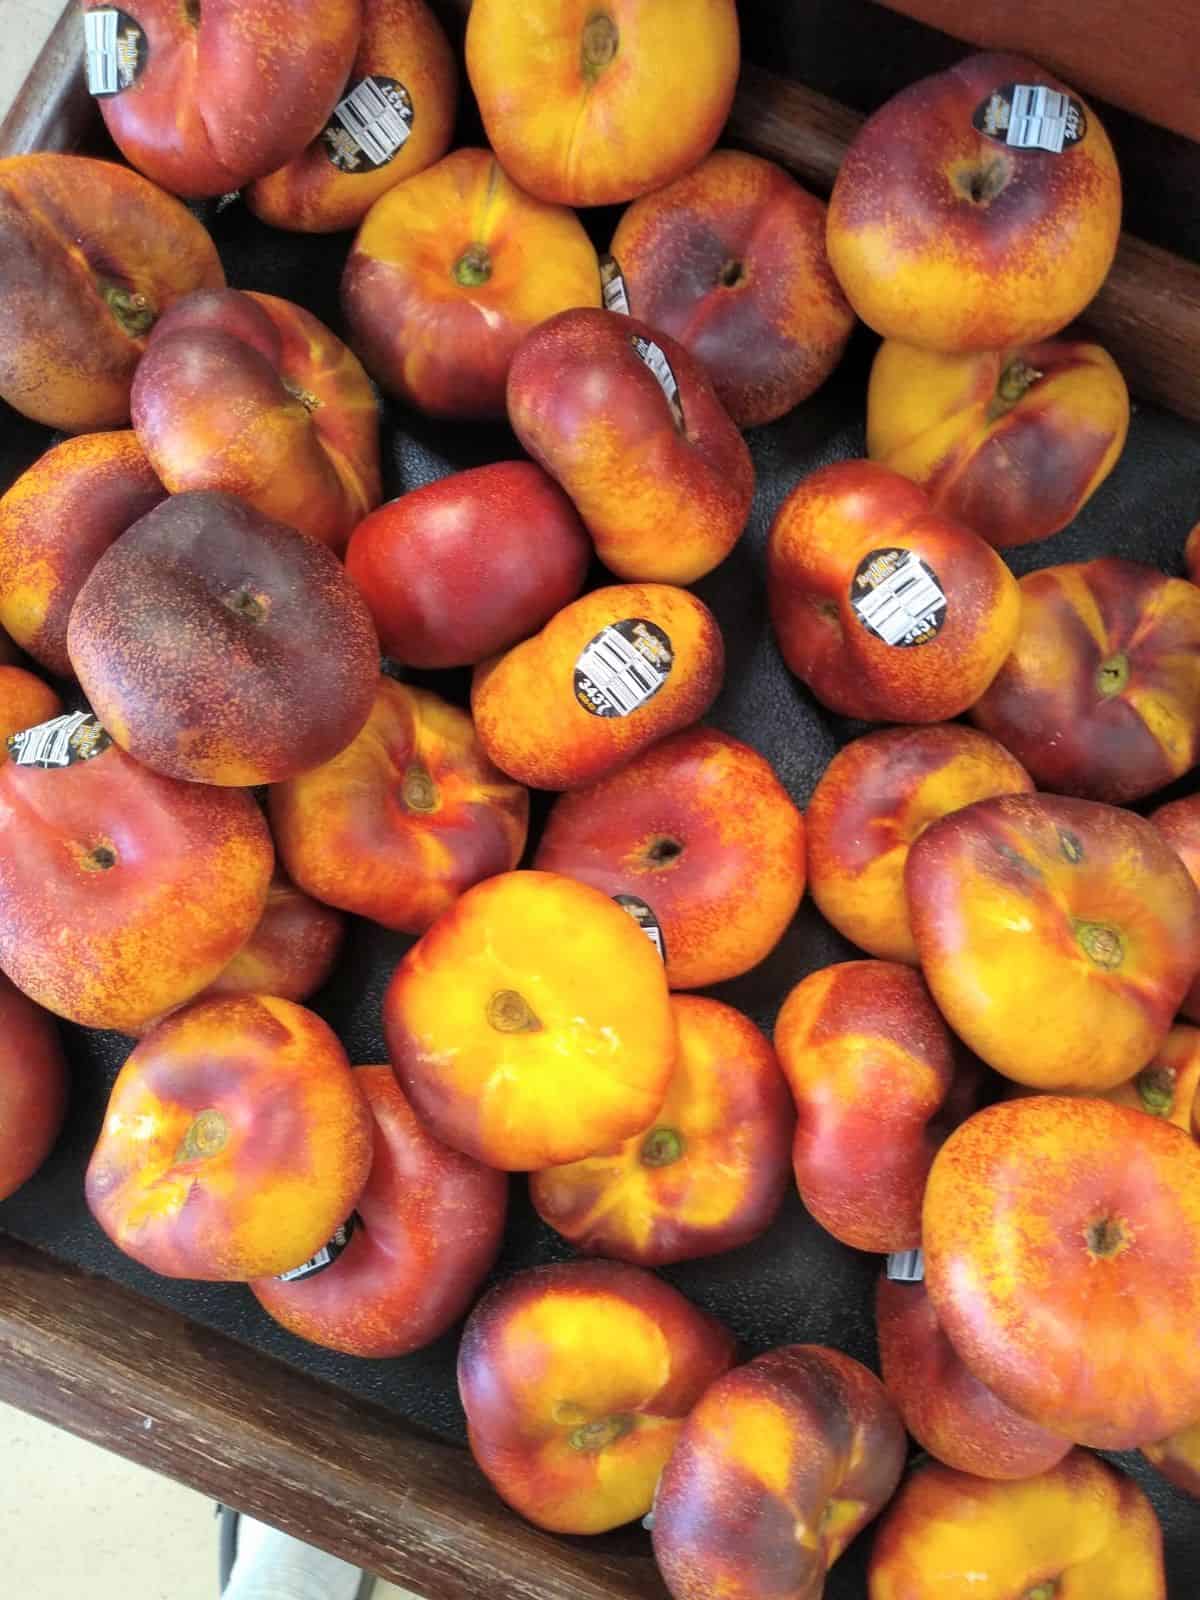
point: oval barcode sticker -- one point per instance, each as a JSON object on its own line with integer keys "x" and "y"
{"x": 625, "y": 665}
{"x": 612, "y": 286}
{"x": 1029, "y": 116}
{"x": 115, "y": 50}
{"x": 654, "y": 356}
{"x": 646, "y": 920}
{"x": 897, "y": 597}
{"x": 61, "y": 742}
{"x": 370, "y": 125}
{"x": 906, "y": 1266}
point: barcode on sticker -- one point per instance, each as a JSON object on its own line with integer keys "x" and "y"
{"x": 903, "y": 603}
{"x": 377, "y": 116}
{"x": 906, "y": 1266}
{"x": 656, "y": 360}
{"x": 1039, "y": 118}
{"x": 100, "y": 43}
{"x": 324, "y": 1257}
{"x": 77, "y": 736}
{"x": 612, "y": 286}
{"x": 646, "y": 920}
{"x": 622, "y": 667}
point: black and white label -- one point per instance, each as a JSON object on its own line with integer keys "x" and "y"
{"x": 612, "y": 287}
{"x": 906, "y": 1266}
{"x": 369, "y": 126}
{"x": 1029, "y": 116}
{"x": 325, "y": 1256}
{"x": 654, "y": 357}
{"x": 625, "y": 665}
{"x": 62, "y": 742}
{"x": 115, "y": 49}
{"x": 898, "y": 598}
{"x": 644, "y": 916}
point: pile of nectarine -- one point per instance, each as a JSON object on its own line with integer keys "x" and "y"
{"x": 998, "y": 1096}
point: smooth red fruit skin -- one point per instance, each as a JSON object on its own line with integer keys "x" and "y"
{"x": 944, "y": 1406}
{"x": 427, "y": 1229}
{"x": 779, "y": 1465}
{"x": 33, "y": 1087}
{"x": 229, "y": 91}
{"x": 291, "y": 952}
{"x": 1179, "y": 823}
{"x": 460, "y": 569}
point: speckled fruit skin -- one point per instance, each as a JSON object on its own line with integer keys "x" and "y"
{"x": 701, "y": 830}
{"x": 1168, "y": 1086}
{"x": 593, "y": 104}
{"x": 427, "y": 1228}
{"x": 953, "y": 240}
{"x": 24, "y": 702}
{"x": 90, "y": 255}
{"x": 711, "y": 1172}
{"x": 573, "y": 1443}
{"x": 252, "y": 395}
{"x": 449, "y": 271}
{"x": 1101, "y": 694}
{"x": 522, "y": 973}
{"x": 113, "y": 944}
{"x": 1179, "y": 823}
{"x": 291, "y": 952}
{"x": 56, "y": 521}
{"x": 831, "y": 524}
{"x": 1012, "y": 442}
{"x": 664, "y": 491}
{"x": 878, "y": 1084}
{"x": 1058, "y": 936}
{"x": 221, "y": 647}
{"x": 457, "y": 570}
{"x": 947, "y": 1410}
{"x": 401, "y": 40}
{"x": 230, "y": 92}
{"x": 405, "y": 818}
{"x": 1062, "y": 1257}
{"x": 1081, "y": 1531}
{"x": 779, "y": 1466}
{"x": 875, "y": 797}
{"x": 235, "y": 1141}
{"x": 33, "y": 1087}
{"x": 528, "y": 710}
{"x": 1178, "y": 1459}
{"x": 730, "y": 261}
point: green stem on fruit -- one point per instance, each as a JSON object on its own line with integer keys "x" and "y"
{"x": 206, "y": 1137}
{"x": 599, "y": 45}
{"x": 419, "y": 790}
{"x": 131, "y": 309}
{"x": 1014, "y": 382}
{"x": 473, "y": 267}
{"x": 1112, "y": 675}
{"x": 594, "y": 1436}
{"x": 1042, "y": 1591}
{"x": 1102, "y": 944}
{"x": 510, "y": 1012}
{"x": 1156, "y": 1090}
{"x": 661, "y": 1147}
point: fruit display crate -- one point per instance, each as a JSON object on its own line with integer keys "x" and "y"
{"x": 368, "y": 1459}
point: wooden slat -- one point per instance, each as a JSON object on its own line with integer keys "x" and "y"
{"x": 137, "y": 1378}
{"x": 53, "y": 110}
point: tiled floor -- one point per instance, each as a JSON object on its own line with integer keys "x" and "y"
{"x": 133, "y": 1535}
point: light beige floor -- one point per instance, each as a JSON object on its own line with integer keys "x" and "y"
{"x": 133, "y": 1534}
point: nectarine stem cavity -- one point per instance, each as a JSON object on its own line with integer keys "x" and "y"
{"x": 132, "y": 310}
{"x": 510, "y": 1012}
{"x": 1112, "y": 675}
{"x": 206, "y": 1137}
{"x": 594, "y": 1436}
{"x": 1106, "y": 1237}
{"x": 1156, "y": 1090}
{"x": 1102, "y": 945}
{"x": 661, "y": 1147}
{"x": 1043, "y": 1591}
{"x": 732, "y": 274}
{"x": 419, "y": 790}
{"x": 191, "y": 10}
{"x": 473, "y": 267}
{"x": 663, "y": 852}
{"x": 981, "y": 182}
{"x": 600, "y": 40}
{"x": 246, "y": 603}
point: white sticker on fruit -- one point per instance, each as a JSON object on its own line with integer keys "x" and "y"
{"x": 115, "y": 50}
{"x": 370, "y": 125}
{"x": 655, "y": 358}
{"x": 898, "y": 598}
{"x": 906, "y": 1266}
{"x": 612, "y": 287}
{"x": 325, "y": 1256}
{"x": 646, "y": 920}
{"x": 61, "y": 742}
{"x": 625, "y": 665}
{"x": 1029, "y": 116}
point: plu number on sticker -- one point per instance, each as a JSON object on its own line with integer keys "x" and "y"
{"x": 625, "y": 665}
{"x": 898, "y": 598}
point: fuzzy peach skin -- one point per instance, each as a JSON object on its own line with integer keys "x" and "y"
{"x": 699, "y": 830}
{"x": 227, "y": 92}
{"x": 1058, "y": 936}
{"x": 123, "y": 893}
{"x": 1081, "y": 1531}
{"x": 875, "y": 797}
{"x": 335, "y": 181}
{"x": 449, "y": 271}
{"x": 1012, "y": 442}
{"x": 409, "y": 814}
{"x": 91, "y": 255}
{"x": 542, "y": 710}
{"x": 1178, "y": 1459}
{"x": 523, "y": 973}
{"x": 1101, "y": 694}
{"x": 575, "y": 1443}
{"x": 33, "y": 1087}
{"x": 221, "y": 647}
{"x": 878, "y": 1084}
{"x": 461, "y": 568}
{"x": 831, "y": 549}
{"x": 779, "y": 1466}
{"x": 591, "y": 102}
{"x": 24, "y": 702}
{"x": 56, "y": 521}
{"x": 252, "y": 395}
{"x": 1179, "y": 823}
{"x": 660, "y": 475}
{"x": 953, "y": 1416}
{"x": 1062, "y": 1257}
{"x": 235, "y": 1141}
{"x": 711, "y": 1172}
{"x": 730, "y": 261}
{"x": 426, "y": 1230}
{"x": 952, "y": 239}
